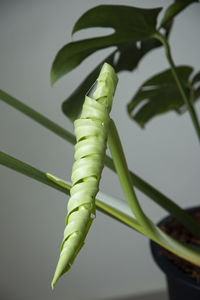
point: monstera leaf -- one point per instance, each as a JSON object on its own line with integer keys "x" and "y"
{"x": 128, "y": 53}
{"x": 132, "y": 37}
{"x": 129, "y": 24}
{"x": 128, "y": 56}
{"x": 160, "y": 94}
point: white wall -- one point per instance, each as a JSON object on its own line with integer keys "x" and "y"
{"x": 115, "y": 259}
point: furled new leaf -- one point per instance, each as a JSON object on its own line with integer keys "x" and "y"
{"x": 130, "y": 24}
{"x": 72, "y": 105}
{"x": 159, "y": 95}
{"x": 91, "y": 132}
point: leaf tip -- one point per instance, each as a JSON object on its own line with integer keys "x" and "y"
{"x": 55, "y": 278}
{"x": 73, "y": 30}
{"x": 53, "y": 285}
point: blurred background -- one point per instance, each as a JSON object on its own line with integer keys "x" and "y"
{"x": 115, "y": 260}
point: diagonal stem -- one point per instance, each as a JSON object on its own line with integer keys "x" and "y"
{"x": 180, "y": 86}
{"x": 158, "y": 197}
{"x": 36, "y": 116}
{"x": 159, "y": 236}
{"x": 127, "y": 182}
{"x": 54, "y": 182}
{"x": 119, "y": 159}
{"x": 150, "y": 229}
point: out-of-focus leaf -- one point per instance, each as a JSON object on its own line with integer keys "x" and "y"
{"x": 130, "y": 24}
{"x": 129, "y": 20}
{"x": 174, "y": 9}
{"x": 197, "y": 94}
{"x": 159, "y": 95}
{"x": 129, "y": 55}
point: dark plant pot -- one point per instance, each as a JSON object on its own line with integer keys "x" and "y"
{"x": 180, "y": 285}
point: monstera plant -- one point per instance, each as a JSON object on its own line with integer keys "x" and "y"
{"x": 136, "y": 32}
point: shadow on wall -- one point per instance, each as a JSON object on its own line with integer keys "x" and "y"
{"x": 152, "y": 296}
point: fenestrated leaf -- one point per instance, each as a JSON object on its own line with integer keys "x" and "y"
{"x": 129, "y": 55}
{"x": 129, "y": 24}
{"x": 72, "y": 54}
{"x": 197, "y": 94}
{"x": 174, "y": 9}
{"x": 159, "y": 95}
{"x": 138, "y": 22}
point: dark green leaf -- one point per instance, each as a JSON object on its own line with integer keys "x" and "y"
{"x": 129, "y": 23}
{"x": 129, "y": 55}
{"x": 175, "y": 9}
{"x": 197, "y": 94}
{"x": 72, "y": 54}
{"x": 137, "y": 22}
{"x": 159, "y": 95}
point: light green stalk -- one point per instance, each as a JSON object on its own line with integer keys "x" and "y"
{"x": 142, "y": 185}
{"x": 119, "y": 215}
{"x": 91, "y": 132}
{"x": 148, "y": 227}
{"x": 119, "y": 159}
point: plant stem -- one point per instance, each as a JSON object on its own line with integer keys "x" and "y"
{"x": 150, "y": 229}
{"x": 60, "y": 185}
{"x": 22, "y": 167}
{"x": 33, "y": 114}
{"x": 176, "y": 211}
{"x": 142, "y": 185}
{"x": 159, "y": 237}
{"x": 180, "y": 86}
{"x": 121, "y": 167}
{"x": 158, "y": 197}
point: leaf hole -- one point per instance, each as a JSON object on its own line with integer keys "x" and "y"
{"x": 139, "y": 106}
{"x": 94, "y": 32}
{"x": 116, "y": 58}
{"x": 163, "y": 31}
{"x": 139, "y": 45}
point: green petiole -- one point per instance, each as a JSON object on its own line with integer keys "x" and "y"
{"x": 187, "y": 101}
{"x": 139, "y": 183}
{"x": 151, "y": 230}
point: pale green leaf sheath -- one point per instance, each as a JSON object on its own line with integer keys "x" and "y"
{"x": 91, "y": 132}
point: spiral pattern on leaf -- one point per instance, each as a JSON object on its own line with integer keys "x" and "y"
{"x": 91, "y": 132}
